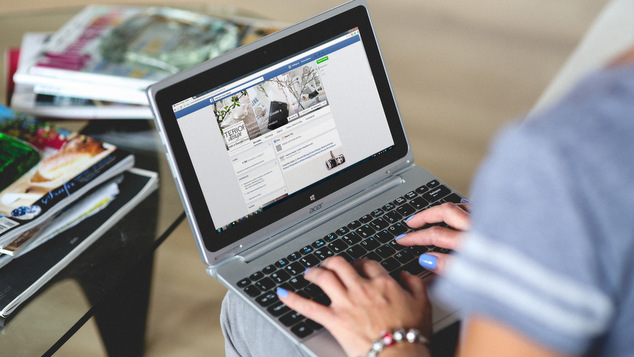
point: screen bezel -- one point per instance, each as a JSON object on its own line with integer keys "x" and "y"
{"x": 255, "y": 57}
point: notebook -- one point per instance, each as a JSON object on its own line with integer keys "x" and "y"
{"x": 289, "y": 150}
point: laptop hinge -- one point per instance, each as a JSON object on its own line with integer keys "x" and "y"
{"x": 315, "y": 221}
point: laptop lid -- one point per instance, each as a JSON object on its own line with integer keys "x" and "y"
{"x": 279, "y": 130}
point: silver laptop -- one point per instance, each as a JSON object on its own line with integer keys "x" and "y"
{"x": 289, "y": 150}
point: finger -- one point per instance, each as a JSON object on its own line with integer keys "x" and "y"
{"x": 449, "y": 213}
{"x": 414, "y": 285}
{"x": 328, "y": 280}
{"x": 438, "y": 236}
{"x": 343, "y": 270}
{"x": 308, "y": 308}
{"x": 436, "y": 262}
{"x": 370, "y": 268}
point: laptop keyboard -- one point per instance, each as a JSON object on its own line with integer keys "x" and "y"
{"x": 371, "y": 237}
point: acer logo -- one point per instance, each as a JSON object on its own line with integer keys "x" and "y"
{"x": 315, "y": 209}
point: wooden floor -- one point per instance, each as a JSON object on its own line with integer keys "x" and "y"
{"x": 460, "y": 69}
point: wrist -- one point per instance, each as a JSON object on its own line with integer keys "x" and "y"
{"x": 399, "y": 342}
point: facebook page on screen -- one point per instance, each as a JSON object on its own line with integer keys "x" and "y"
{"x": 283, "y": 128}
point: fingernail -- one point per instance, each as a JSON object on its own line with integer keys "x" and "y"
{"x": 306, "y": 271}
{"x": 464, "y": 200}
{"x": 410, "y": 217}
{"x": 428, "y": 261}
{"x": 281, "y": 292}
{"x": 400, "y": 236}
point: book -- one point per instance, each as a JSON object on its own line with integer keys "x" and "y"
{"x": 114, "y": 52}
{"x": 44, "y": 169}
{"x": 24, "y": 99}
{"x": 26, "y": 274}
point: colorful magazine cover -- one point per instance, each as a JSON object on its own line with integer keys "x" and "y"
{"x": 42, "y": 170}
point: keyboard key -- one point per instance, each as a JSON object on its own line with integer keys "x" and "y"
{"x": 309, "y": 261}
{"x": 278, "y": 309}
{"x": 269, "y": 269}
{"x": 298, "y": 282}
{"x": 267, "y": 299}
{"x": 295, "y": 268}
{"x": 373, "y": 256}
{"x": 385, "y": 251}
{"x": 351, "y": 238}
{"x": 437, "y": 193}
{"x": 343, "y": 230}
{"x": 319, "y": 243}
{"x": 418, "y": 203}
{"x": 354, "y": 225}
{"x": 301, "y": 330}
{"x": 376, "y": 213}
{"x": 388, "y": 207}
{"x": 433, "y": 183}
{"x": 390, "y": 264}
{"x": 411, "y": 195}
{"x": 252, "y": 291}
{"x": 365, "y": 231}
{"x": 280, "y": 276}
{"x": 313, "y": 325}
{"x": 379, "y": 224}
{"x": 422, "y": 189}
{"x": 346, "y": 256}
{"x": 338, "y": 246}
{"x": 291, "y": 318}
{"x": 324, "y": 253}
{"x": 392, "y": 217}
{"x": 265, "y": 284}
{"x": 404, "y": 256}
{"x": 366, "y": 218}
{"x": 330, "y": 237}
{"x": 244, "y": 282}
{"x": 397, "y": 229}
{"x": 405, "y": 210}
{"x": 256, "y": 276}
{"x": 281, "y": 263}
{"x": 399, "y": 201}
{"x": 294, "y": 256}
{"x": 307, "y": 249}
{"x": 370, "y": 244}
{"x": 356, "y": 251}
{"x": 384, "y": 236}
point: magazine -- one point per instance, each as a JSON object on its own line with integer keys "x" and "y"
{"x": 23, "y": 98}
{"x": 114, "y": 52}
{"x": 44, "y": 169}
{"x": 26, "y": 274}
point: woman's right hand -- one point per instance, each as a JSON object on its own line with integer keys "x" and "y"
{"x": 456, "y": 216}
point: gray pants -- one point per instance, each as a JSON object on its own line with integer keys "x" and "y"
{"x": 247, "y": 333}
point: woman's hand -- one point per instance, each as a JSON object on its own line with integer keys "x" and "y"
{"x": 456, "y": 216}
{"x": 366, "y": 301}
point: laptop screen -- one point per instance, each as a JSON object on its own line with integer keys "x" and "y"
{"x": 267, "y": 141}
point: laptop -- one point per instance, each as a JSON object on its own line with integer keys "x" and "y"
{"x": 289, "y": 150}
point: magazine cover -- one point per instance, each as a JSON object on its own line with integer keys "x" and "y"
{"x": 42, "y": 170}
{"x": 24, "y": 99}
{"x": 124, "y": 49}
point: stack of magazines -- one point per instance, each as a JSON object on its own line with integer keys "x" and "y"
{"x": 52, "y": 180}
{"x": 102, "y": 60}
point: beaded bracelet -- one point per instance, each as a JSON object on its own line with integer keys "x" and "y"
{"x": 400, "y": 335}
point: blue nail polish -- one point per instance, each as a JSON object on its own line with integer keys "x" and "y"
{"x": 306, "y": 271}
{"x": 410, "y": 217}
{"x": 464, "y": 200}
{"x": 281, "y": 292}
{"x": 400, "y": 236}
{"x": 428, "y": 261}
